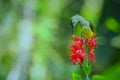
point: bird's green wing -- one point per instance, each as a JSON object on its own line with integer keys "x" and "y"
{"x": 78, "y": 30}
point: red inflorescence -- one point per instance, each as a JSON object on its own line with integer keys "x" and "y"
{"x": 91, "y": 43}
{"x": 91, "y": 46}
{"x": 92, "y": 56}
{"x": 77, "y": 54}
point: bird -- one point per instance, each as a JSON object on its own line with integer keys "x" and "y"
{"x": 82, "y": 27}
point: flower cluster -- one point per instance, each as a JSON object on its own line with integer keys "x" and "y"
{"x": 91, "y": 46}
{"x": 78, "y": 54}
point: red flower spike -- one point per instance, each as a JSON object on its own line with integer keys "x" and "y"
{"x": 91, "y": 46}
{"x": 77, "y": 58}
{"x": 92, "y": 56}
{"x": 74, "y": 47}
{"x": 77, "y": 50}
{"x": 79, "y": 41}
{"x": 77, "y": 54}
{"x": 91, "y": 43}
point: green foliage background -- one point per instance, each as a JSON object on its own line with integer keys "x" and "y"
{"x": 34, "y": 38}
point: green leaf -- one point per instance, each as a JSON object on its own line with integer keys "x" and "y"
{"x": 113, "y": 25}
{"x": 98, "y": 77}
{"x": 75, "y": 76}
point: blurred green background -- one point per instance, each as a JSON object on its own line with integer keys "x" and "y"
{"x": 34, "y": 38}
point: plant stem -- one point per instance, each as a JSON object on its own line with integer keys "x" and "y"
{"x": 87, "y": 77}
{"x": 87, "y": 66}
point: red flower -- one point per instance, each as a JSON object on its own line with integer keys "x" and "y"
{"x": 79, "y": 41}
{"x": 77, "y": 54}
{"x": 77, "y": 58}
{"x": 92, "y": 56}
{"x": 91, "y": 46}
{"x": 91, "y": 43}
{"x": 77, "y": 51}
{"x": 74, "y": 47}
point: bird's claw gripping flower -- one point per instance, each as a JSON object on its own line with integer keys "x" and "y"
{"x": 78, "y": 54}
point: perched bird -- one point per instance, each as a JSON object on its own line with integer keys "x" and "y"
{"x": 81, "y": 26}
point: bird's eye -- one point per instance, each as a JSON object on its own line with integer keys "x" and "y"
{"x": 73, "y": 22}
